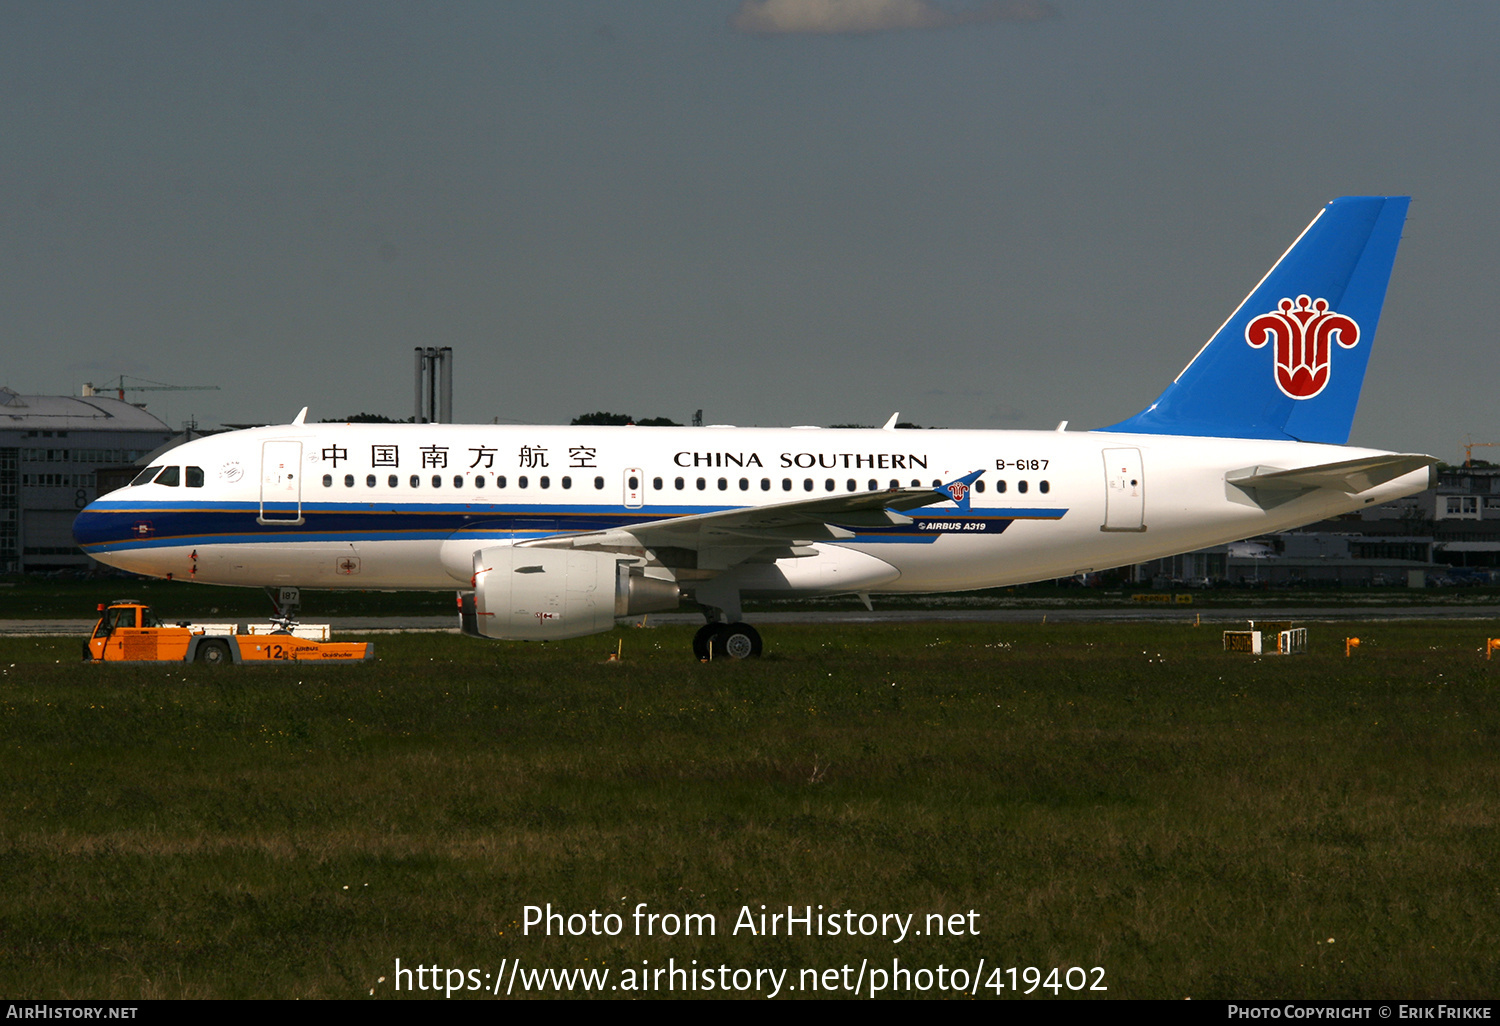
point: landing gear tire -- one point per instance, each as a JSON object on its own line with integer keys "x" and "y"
{"x": 700, "y": 640}
{"x": 213, "y": 653}
{"x": 734, "y": 641}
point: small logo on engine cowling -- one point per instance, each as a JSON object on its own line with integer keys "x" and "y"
{"x": 1304, "y": 332}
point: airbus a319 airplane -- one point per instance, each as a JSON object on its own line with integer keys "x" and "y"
{"x": 554, "y": 532}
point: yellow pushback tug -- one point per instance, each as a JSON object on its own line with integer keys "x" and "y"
{"x": 129, "y": 632}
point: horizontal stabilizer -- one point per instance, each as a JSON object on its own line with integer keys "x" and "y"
{"x": 1271, "y": 486}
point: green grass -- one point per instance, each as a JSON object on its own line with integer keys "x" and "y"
{"x": 1129, "y": 797}
{"x": 34, "y": 597}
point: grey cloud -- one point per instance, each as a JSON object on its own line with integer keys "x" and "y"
{"x": 829, "y": 17}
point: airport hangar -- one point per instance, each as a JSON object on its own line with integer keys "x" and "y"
{"x": 57, "y": 454}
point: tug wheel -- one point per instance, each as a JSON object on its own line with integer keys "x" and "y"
{"x": 213, "y": 653}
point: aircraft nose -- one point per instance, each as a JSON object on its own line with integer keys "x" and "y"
{"x": 98, "y": 525}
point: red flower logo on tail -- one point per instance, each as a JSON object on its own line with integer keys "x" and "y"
{"x": 1304, "y": 332}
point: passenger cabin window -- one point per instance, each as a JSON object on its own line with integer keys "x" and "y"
{"x": 437, "y": 480}
{"x": 194, "y": 477}
{"x": 392, "y": 481}
{"x": 327, "y": 480}
{"x": 348, "y": 480}
{"x": 416, "y": 482}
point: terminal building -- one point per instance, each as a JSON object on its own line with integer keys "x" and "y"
{"x": 55, "y": 454}
{"x": 1449, "y": 534}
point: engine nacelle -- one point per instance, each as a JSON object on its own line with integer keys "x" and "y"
{"x": 535, "y": 594}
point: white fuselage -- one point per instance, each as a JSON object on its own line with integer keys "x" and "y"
{"x": 406, "y": 506}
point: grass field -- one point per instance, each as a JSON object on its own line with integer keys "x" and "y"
{"x": 1196, "y": 823}
{"x": 36, "y": 597}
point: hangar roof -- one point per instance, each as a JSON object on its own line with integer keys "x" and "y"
{"x": 71, "y": 413}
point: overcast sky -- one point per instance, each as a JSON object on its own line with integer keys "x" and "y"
{"x": 987, "y": 215}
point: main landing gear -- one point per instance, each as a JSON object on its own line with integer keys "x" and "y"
{"x": 726, "y": 641}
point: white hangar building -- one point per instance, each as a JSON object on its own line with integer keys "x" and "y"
{"x": 54, "y": 450}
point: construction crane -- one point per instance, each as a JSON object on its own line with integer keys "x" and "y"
{"x": 1469, "y": 448}
{"x": 119, "y": 386}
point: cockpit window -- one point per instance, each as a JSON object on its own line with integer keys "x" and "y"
{"x": 145, "y": 476}
{"x": 194, "y": 477}
{"x": 170, "y": 477}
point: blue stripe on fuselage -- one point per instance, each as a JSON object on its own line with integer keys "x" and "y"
{"x": 124, "y": 525}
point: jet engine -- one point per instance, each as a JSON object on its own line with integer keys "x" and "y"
{"x": 536, "y": 594}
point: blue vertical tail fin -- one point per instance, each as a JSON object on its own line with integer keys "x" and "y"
{"x": 1290, "y": 360}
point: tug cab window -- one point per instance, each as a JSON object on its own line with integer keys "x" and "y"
{"x": 119, "y": 618}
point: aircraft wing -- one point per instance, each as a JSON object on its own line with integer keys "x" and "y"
{"x": 1271, "y": 486}
{"x": 733, "y": 535}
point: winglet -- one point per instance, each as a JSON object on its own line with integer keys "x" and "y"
{"x": 959, "y": 490}
{"x": 300, "y": 418}
{"x": 890, "y": 425}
